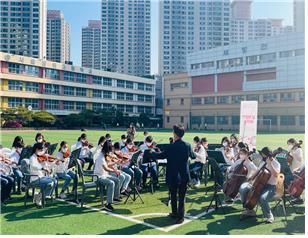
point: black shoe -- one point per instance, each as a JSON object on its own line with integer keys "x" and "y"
{"x": 172, "y": 215}
{"x": 125, "y": 193}
{"x": 179, "y": 221}
{"x": 108, "y": 207}
{"x": 117, "y": 200}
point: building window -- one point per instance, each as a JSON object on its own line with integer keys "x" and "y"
{"x": 299, "y": 52}
{"x": 141, "y": 86}
{"x": 302, "y": 120}
{"x": 107, "y": 94}
{"x": 97, "y": 80}
{"x": 149, "y": 87}
{"x": 68, "y": 76}
{"x": 209, "y": 100}
{"x": 129, "y": 84}
{"x": 235, "y": 120}
{"x": 168, "y": 119}
{"x": 182, "y": 101}
{"x": 97, "y": 93}
{"x": 81, "y": 78}
{"x": 129, "y": 97}
{"x": 285, "y": 54}
{"x": 15, "y": 85}
{"x": 107, "y": 106}
{"x": 52, "y": 74}
{"x": 287, "y": 120}
{"x": 222, "y": 120}
{"x": 267, "y": 58}
{"x": 16, "y": 68}
{"x": 140, "y": 98}
{"x": 67, "y": 90}
{"x": 301, "y": 96}
{"x": 120, "y": 83}
{"x": 15, "y": 102}
{"x": 270, "y": 97}
{"x": 107, "y": 81}
{"x": 222, "y": 100}
{"x": 140, "y": 109}
{"x": 120, "y": 96}
{"x": 182, "y": 119}
{"x": 196, "y": 101}
{"x": 286, "y": 97}
{"x": 237, "y": 98}
{"x": 34, "y": 103}
{"x": 97, "y": 106}
{"x": 32, "y": 70}
{"x": 80, "y": 106}
{"x": 168, "y": 102}
{"x": 68, "y": 105}
{"x": 252, "y": 97}
{"x": 51, "y": 104}
{"x": 121, "y": 108}
{"x": 32, "y": 87}
{"x": 209, "y": 120}
{"x": 196, "y": 120}
{"x": 148, "y": 98}
{"x": 51, "y": 89}
{"x": 130, "y": 108}
{"x": 178, "y": 85}
{"x": 269, "y": 120}
{"x": 82, "y": 92}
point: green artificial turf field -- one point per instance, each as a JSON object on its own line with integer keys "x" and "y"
{"x": 61, "y": 217}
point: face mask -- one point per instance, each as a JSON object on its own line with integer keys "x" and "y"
{"x": 19, "y": 150}
{"x": 233, "y": 140}
{"x": 40, "y": 140}
{"x": 64, "y": 150}
{"x": 40, "y": 153}
{"x": 123, "y": 141}
{"x": 290, "y": 147}
{"x": 130, "y": 146}
{"x": 148, "y": 144}
{"x": 225, "y": 144}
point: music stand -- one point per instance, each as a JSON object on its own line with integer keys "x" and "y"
{"x": 25, "y": 153}
{"x": 51, "y": 148}
{"x": 134, "y": 193}
{"x": 74, "y": 156}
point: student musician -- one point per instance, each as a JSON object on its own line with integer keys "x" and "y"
{"x": 100, "y": 145}
{"x": 234, "y": 144}
{"x": 198, "y": 163}
{"x": 149, "y": 167}
{"x": 108, "y": 137}
{"x": 145, "y": 135}
{"x": 134, "y": 171}
{"x": 243, "y": 155}
{"x": 17, "y": 146}
{"x": 42, "y": 173}
{"x": 101, "y": 169}
{"x": 113, "y": 162}
{"x": 62, "y": 170}
{"x": 39, "y": 138}
{"x": 131, "y": 131}
{"x": 122, "y": 141}
{"x": 7, "y": 181}
{"x": 295, "y": 158}
{"x": 205, "y": 143}
{"x": 268, "y": 191}
{"x": 85, "y": 154}
{"x": 227, "y": 151}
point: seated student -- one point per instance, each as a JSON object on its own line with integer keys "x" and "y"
{"x": 197, "y": 165}
{"x": 7, "y": 181}
{"x": 101, "y": 169}
{"x": 227, "y": 151}
{"x": 268, "y": 191}
{"x": 39, "y": 138}
{"x": 47, "y": 183}
{"x": 113, "y": 162}
{"x": 134, "y": 171}
{"x": 205, "y": 143}
{"x": 234, "y": 144}
{"x": 62, "y": 170}
{"x": 149, "y": 167}
{"x": 296, "y": 155}
{"x": 86, "y": 154}
{"x": 243, "y": 155}
{"x": 17, "y": 147}
{"x": 122, "y": 141}
{"x": 108, "y": 137}
{"x": 100, "y": 145}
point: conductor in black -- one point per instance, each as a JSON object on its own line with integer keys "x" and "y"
{"x": 177, "y": 171}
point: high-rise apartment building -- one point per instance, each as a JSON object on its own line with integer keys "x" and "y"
{"x": 23, "y": 27}
{"x": 187, "y": 26}
{"x": 58, "y": 37}
{"x": 126, "y": 43}
{"x": 91, "y": 45}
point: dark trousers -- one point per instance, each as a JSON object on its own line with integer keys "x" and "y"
{"x": 153, "y": 171}
{"x": 7, "y": 183}
{"x": 177, "y": 194}
{"x": 85, "y": 160}
{"x": 195, "y": 169}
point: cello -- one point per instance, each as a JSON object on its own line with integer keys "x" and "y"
{"x": 297, "y": 186}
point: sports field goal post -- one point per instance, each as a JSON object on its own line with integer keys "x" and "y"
{"x": 268, "y": 124}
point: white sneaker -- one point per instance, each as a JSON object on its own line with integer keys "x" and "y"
{"x": 62, "y": 196}
{"x": 38, "y": 199}
{"x": 193, "y": 182}
{"x": 197, "y": 184}
{"x": 270, "y": 219}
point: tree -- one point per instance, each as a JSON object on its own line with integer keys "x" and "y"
{"x": 20, "y": 114}
{"x": 42, "y": 119}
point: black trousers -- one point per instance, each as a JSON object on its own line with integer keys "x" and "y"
{"x": 177, "y": 194}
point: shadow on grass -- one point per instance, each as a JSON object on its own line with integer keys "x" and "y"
{"x": 129, "y": 230}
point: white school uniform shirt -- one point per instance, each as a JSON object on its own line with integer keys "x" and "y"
{"x": 201, "y": 155}
{"x": 251, "y": 168}
{"x": 35, "y": 168}
{"x": 98, "y": 166}
{"x": 14, "y": 156}
{"x": 125, "y": 151}
{"x": 62, "y": 167}
{"x": 84, "y": 150}
{"x": 297, "y": 162}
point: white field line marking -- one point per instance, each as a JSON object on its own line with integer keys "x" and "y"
{"x": 188, "y": 218}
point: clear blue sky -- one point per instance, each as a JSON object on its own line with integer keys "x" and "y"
{"x": 78, "y": 12}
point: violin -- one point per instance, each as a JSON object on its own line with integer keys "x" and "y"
{"x": 66, "y": 154}
{"x": 133, "y": 149}
{"x": 122, "y": 156}
{"x": 197, "y": 148}
{"x": 87, "y": 144}
{"x": 45, "y": 157}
